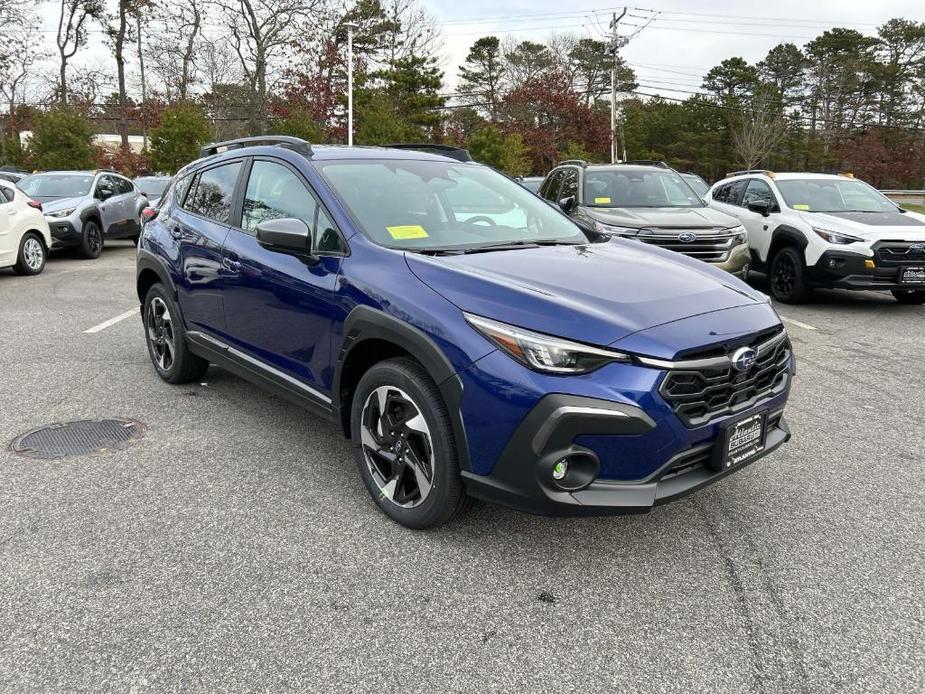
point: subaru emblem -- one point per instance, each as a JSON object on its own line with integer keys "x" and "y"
{"x": 744, "y": 359}
{"x": 687, "y": 237}
{"x": 917, "y": 248}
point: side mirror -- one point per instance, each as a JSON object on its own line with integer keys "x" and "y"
{"x": 566, "y": 204}
{"x": 285, "y": 235}
{"x": 105, "y": 192}
{"x": 760, "y": 206}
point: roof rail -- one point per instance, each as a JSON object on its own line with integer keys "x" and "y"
{"x": 750, "y": 171}
{"x": 457, "y": 153}
{"x": 574, "y": 162}
{"x": 297, "y": 144}
{"x": 646, "y": 162}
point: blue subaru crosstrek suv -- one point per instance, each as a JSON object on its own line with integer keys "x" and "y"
{"x": 466, "y": 336}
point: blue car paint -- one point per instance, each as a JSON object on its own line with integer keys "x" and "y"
{"x": 621, "y": 293}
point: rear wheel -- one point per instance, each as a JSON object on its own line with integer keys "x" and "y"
{"x": 787, "y": 276}
{"x": 91, "y": 243}
{"x": 404, "y": 445}
{"x": 32, "y": 255}
{"x": 915, "y": 297}
{"x": 166, "y": 339}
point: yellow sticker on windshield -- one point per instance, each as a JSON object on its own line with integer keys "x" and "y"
{"x": 601, "y": 201}
{"x": 801, "y": 207}
{"x": 410, "y": 231}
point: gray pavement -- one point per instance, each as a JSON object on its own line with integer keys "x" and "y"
{"x": 234, "y": 547}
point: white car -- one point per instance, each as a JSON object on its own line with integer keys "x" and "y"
{"x": 830, "y": 231}
{"x": 24, "y": 234}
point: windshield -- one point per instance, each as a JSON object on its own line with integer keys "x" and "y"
{"x": 430, "y": 205}
{"x": 638, "y": 188}
{"x": 152, "y": 187}
{"x": 833, "y": 195}
{"x": 56, "y": 185}
{"x": 698, "y": 184}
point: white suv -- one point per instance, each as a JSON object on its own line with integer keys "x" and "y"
{"x": 24, "y": 235}
{"x": 820, "y": 230}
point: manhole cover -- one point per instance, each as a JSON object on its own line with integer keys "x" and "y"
{"x": 78, "y": 438}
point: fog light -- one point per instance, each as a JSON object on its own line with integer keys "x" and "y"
{"x": 833, "y": 262}
{"x": 869, "y": 264}
{"x": 560, "y": 469}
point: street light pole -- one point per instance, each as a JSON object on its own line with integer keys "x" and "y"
{"x": 350, "y": 27}
{"x": 616, "y": 42}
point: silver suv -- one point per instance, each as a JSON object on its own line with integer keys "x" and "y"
{"x": 83, "y": 208}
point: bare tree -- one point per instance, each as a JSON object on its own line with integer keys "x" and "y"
{"x": 72, "y": 34}
{"x": 756, "y": 130}
{"x": 175, "y": 50}
{"x": 17, "y": 56}
{"x": 261, "y": 31}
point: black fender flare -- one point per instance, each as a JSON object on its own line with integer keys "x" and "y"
{"x": 94, "y": 212}
{"x": 367, "y": 323}
{"x": 148, "y": 261}
{"x": 789, "y": 234}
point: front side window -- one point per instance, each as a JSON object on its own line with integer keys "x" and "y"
{"x": 46, "y": 187}
{"x": 213, "y": 193}
{"x": 275, "y": 192}
{"x": 833, "y": 195}
{"x": 421, "y": 205}
{"x": 569, "y": 185}
{"x": 758, "y": 190}
{"x": 638, "y": 188}
{"x": 551, "y": 189}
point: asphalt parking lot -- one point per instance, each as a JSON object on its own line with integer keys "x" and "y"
{"x": 235, "y": 548}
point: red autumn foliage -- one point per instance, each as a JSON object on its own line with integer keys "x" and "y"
{"x": 885, "y": 158}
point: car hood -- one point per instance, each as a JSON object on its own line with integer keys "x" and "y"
{"x": 57, "y": 204}
{"x": 595, "y": 293}
{"x": 664, "y": 217}
{"x": 872, "y": 226}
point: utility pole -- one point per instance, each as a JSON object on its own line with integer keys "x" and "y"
{"x": 144, "y": 91}
{"x": 350, "y": 27}
{"x": 616, "y": 43}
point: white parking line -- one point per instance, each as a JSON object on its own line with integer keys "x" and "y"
{"x": 805, "y": 326}
{"x": 112, "y": 321}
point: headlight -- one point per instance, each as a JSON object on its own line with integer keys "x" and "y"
{"x": 835, "y": 237}
{"x": 62, "y": 213}
{"x": 613, "y": 230}
{"x": 741, "y": 236}
{"x": 544, "y": 352}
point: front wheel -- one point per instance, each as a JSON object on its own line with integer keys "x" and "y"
{"x": 914, "y": 297}
{"x": 91, "y": 243}
{"x": 788, "y": 276}
{"x": 404, "y": 445}
{"x": 32, "y": 255}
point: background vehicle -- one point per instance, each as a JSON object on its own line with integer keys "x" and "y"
{"x": 24, "y": 235}
{"x": 648, "y": 202}
{"x": 12, "y": 175}
{"x": 152, "y": 187}
{"x": 464, "y": 334}
{"x": 532, "y": 183}
{"x": 822, "y": 230}
{"x": 700, "y": 186}
{"x": 83, "y": 208}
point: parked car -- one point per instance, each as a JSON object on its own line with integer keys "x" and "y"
{"x": 152, "y": 187}
{"x": 84, "y": 208}
{"x": 24, "y": 234}
{"x": 648, "y": 202}
{"x": 495, "y": 354}
{"x": 11, "y": 176}
{"x": 820, "y": 230}
{"x": 532, "y": 183}
{"x": 700, "y": 186}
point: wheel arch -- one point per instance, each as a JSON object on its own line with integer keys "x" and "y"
{"x": 786, "y": 236}
{"x": 150, "y": 271}
{"x": 372, "y": 336}
{"x": 92, "y": 214}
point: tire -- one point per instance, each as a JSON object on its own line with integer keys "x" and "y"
{"x": 787, "y": 276}
{"x": 429, "y": 491}
{"x": 32, "y": 255}
{"x": 912, "y": 297}
{"x": 166, "y": 339}
{"x": 91, "y": 241}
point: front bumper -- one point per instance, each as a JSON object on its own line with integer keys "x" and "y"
{"x": 738, "y": 261}
{"x": 522, "y": 477}
{"x": 843, "y": 270}
{"x": 64, "y": 234}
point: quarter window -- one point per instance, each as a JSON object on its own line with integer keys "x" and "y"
{"x": 274, "y": 192}
{"x": 213, "y": 192}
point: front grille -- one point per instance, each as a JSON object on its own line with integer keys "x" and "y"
{"x": 899, "y": 252}
{"x": 698, "y": 396}
{"x": 708, "y": 245}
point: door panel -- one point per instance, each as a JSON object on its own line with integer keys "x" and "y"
{"x": 8, "y": 240}
{"x": 759, "y": 236}
{"x": 110, "y": 208}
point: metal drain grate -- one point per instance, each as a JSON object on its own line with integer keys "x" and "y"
{"x": 77, "y": 438}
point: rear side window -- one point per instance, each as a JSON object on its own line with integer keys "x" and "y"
{"x": 6, "y": 195}
{"x": 275, "y": 192}
{"x": 124, "y": 186}
{"x": 213, "y": 192}
{"x": 731, "y": 193}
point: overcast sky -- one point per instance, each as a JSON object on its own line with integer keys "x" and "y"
{"x": 670, "y": 55}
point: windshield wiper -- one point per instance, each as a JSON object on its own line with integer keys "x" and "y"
{"x": 502, "y": 246}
